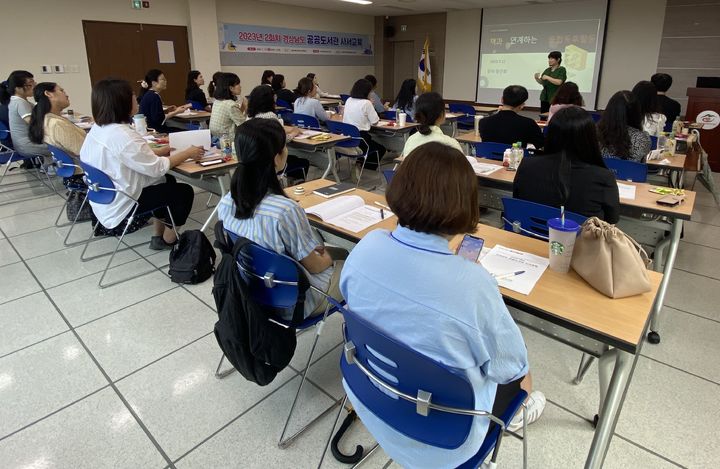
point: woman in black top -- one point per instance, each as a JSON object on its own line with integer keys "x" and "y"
{"x": 278, "y": 86}
{"x": 571, "y": 172}
{"x": 193, "y": 92}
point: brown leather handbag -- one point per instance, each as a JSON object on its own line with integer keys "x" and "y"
{"x": 610, "y": 261}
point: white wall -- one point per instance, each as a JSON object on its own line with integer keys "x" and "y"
{"x": 334, "y": 79}
{"x": 203, "y": 37}
{"x": 632, "y": 47}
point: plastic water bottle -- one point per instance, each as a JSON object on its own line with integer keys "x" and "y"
{"x": 226, "y": 146}
{"x": 507, "y": 157}
{"x": 662, "y": 141}
{"x": 140, "y": 124}
{"x": 519, "y": 153}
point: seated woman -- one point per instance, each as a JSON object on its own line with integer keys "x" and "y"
{"x": 405, "y": 101}
{"x": 307, "y": 102}
{"x": 193, "y": 91}
{"x": 280, "y": 88}
{"x": 258, "y": 209}
{"x": 227, "y": 112}
{"x": 442, "y": 305}
{"x": 15, "y": 93}
{"x": 320, "y": 93}
{"x": 571, "y": 172}
{"x": 374, "y": 97}
{"x": 151, "y": 105}
{"x": 267, "y": 77}
{"x": 568, "y": 94}
{"x": 48, "y": 126}
{"x": 213, "y": 83}
{"x": 117, "y": 150}
{"x": 653, "y": 120}
{"x": 430, "y": 115}
{"x": 261, "y": 105}
{"x": 359, "y": 111}
{"x": 620, "y": 129}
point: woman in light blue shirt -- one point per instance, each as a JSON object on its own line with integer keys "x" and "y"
{"x": 308, "y": 103}
{"x": 411, "y": 286}
{"x": 258, "y": 209}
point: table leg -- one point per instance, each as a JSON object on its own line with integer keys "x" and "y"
{"x": 331, "y": 164}
{"x": 223, "y": 191}
{"x": 610, "y": 402}
{"x": 453, "y": 124}
{"x": 675, "y": 232}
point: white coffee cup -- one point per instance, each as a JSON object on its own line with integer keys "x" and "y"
{"x": 477, "y": 124}
{"x": 140, "y": 124}
{"x": 401, "y": 118}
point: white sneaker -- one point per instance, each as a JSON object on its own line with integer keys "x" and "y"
{"x": 535, "y": 406}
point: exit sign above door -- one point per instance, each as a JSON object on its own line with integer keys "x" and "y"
{"x": 140, "y": 4}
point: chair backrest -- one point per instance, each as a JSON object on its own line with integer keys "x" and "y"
{"x": 389, "y": 115}
{"x": 530, "y": 219}
{"x": 491, "y": 150}
{"x": 4, "y": 131}
{"x": 272, "y": 277}
{"x": 282, "y": 113}
{"x": 462, "y": 108}
{"x": 302, "y": 120}
{"x": 627, "y": 170}
{"x": 101, "y": 189}
{"x": 412, "y": 373}
{"x": 196, "y": 105}
{"x": 653, "y": 142}
{"x": 596, "y": 116}
{"x": 344, "y": 97}
{"x": 283, "y": 103}
{"x": 341, "y": 128}
{"x": 65, "y": 166}
{"x": 388, "y": 174}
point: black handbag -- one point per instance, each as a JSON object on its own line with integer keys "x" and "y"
{"x": 74, "y": 202}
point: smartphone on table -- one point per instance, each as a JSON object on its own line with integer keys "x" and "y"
{"x": 470, "y": 247}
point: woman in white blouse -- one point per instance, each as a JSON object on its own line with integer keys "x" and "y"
{"x": 359, "y": 111}
{"x": 308, "y": 103}
{"x": 113, "y": 147}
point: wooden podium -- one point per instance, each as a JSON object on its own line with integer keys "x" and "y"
{"x": 706, "y": 99}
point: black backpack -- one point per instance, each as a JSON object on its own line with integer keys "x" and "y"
{"x": 257, "y": 347}
{"x": 192, "y": 259}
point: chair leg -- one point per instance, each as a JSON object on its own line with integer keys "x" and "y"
{"x": 285, "y": 442}
{"x": 222, "y": 374}
{"x": 112, "y": 256}
{"x": 332, "y": 432}
{"x": 62, "y": 209}
{"x": 207, "y": 204}
{"x": 583, "y": 368}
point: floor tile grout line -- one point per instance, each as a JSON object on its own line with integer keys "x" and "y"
{"x": 44, "y": 417}
{"x": 695, "y": 273}
{"x": 32, "y": 211}
{"x": 700, "y": 244}
{"x": 24, "y": 296}
{"x": 92, "y": 357}
{"x": 697, "y": 315}
{"x": 680, "y": 369}
{"x": 25, "y": 347}
{"x": 235, "y": 419}
{"x": 644, "y": 448}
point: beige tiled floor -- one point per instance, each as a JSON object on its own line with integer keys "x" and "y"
{"x": 123, "y": 377}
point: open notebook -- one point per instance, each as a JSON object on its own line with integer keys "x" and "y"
{"x": 482, "y": 169}
{"x": 349, "y": 212}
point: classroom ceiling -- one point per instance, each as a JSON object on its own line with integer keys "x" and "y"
{"x": 407, "y": 7}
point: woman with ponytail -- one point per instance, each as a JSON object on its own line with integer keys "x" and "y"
{"x": 430, "y": 115}
{"x": 15, "y": 93}
{"x": 48, "y": 126}
{"x": 213, "y": 84}
{"x": 151, "y": 104}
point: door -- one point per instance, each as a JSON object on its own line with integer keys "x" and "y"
{"x": 138, "y": 52}
{"x": 404, "y": 64}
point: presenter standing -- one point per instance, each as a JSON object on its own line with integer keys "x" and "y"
{"x": 551, "y": 79}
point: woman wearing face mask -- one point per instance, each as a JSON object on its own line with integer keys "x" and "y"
{"x": 551, "y": 79}
{"x": 151, "y": 104}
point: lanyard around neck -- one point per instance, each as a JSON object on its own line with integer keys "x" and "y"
{"x": 392, "y": 235}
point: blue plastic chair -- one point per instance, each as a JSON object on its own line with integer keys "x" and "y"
{"x": 530, "y": 219}
{"x": 468, "y": 121}
{"x": 388, "y": 174}
{"x": 65, "y": 167}
{"x": 282, "y": 114}
{"x": 390, "y": 115}
{"x": 283, "y": 103}
{"x": 653, "y": 142}
{"x": 101, "y": 190}
{"x": 341, "y": 128}
{"x": 196, "y": 106}
{"x": 627, "y": 170}
{"x": 596, "y": 116}
{"x": 9, "y": 156}
{"x": 344, "y": 97}
{"x": 274, "y": 281}
{"x": 302, "y": 120}
{"x": 491, "y": 150}
{"x": 417, "y": 396}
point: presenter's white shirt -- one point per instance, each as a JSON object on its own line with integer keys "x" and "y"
{"x": 360, "y": 113}
{"x": 122, "y": 154}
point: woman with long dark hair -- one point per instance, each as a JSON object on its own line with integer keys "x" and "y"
{"x": 280, "y": 88}
{"x": 14, "y": 93}
{"x": 571, "y": 172}
{"x": 405, "y": 101}
{"x": 567, "y": 95}
{"x": 151, "y": 104}
{"x": 620, "y": 129}
{"x": 267, "y": 77}
{"x": 258, "y": 209}
{"x": 193, "y": 92}
{"x": 653, "y": 121}
{"x": 430, "y": 115}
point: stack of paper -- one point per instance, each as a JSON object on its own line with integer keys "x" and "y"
{"x": 349, "y": 212}
{"x": 502, "y": 261}
{"x": 482, "y": 169}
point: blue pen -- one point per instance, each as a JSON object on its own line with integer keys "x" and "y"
{"x": 511, "y": 274}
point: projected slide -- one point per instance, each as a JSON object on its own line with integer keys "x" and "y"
{"x": 513, "y": 51}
